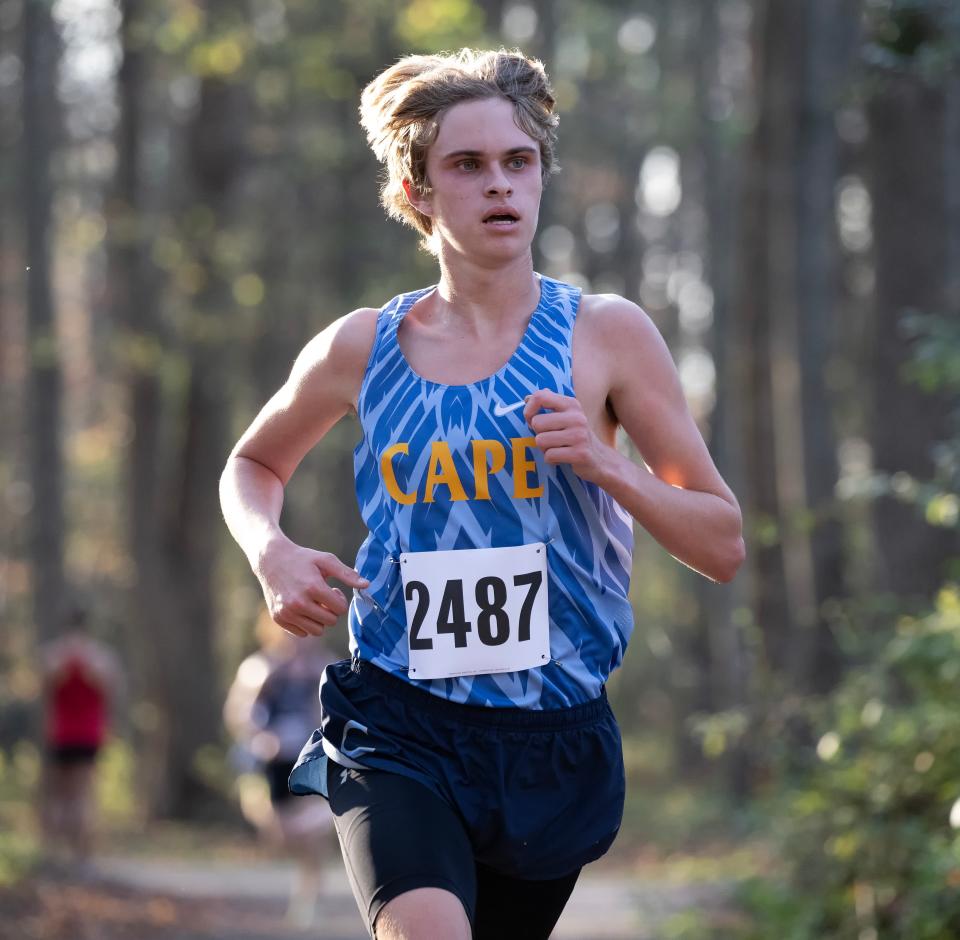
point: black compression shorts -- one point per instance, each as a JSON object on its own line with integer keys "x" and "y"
{"x": 397, "y": 835}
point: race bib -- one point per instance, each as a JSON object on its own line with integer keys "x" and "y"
{"x": 476, "y": 610}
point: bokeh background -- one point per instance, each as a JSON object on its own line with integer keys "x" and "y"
{"x": 186, "y": 198}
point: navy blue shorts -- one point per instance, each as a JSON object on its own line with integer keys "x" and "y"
{"x": 540, "y": 793}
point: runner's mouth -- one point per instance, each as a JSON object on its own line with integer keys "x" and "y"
{"x": 501, "y": 218}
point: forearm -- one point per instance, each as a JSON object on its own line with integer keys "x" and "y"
{"x": 702, "y": 530}
{"x": 251, "y": 497}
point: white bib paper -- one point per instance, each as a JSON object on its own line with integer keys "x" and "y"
{"x": 476, "y": 610}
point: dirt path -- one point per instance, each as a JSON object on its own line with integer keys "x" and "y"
{"x": 123, "y": 898}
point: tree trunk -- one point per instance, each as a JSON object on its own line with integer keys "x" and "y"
{"x": 191, "y": 699}
{"x": 728, "y": 669}
{"x": 766, "y": 252}
{"x": 193, "y": 529}
{"x": 829, "y": 44}
{"x": 134, "y": 307}
{"x": 908, "y": 186}
{"x": 951, "y": 163}
{"x": 44, "y": 419}
{"x": 544, "y": 41}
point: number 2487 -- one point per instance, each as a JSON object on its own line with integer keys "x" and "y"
{"x": 493, "y": 622}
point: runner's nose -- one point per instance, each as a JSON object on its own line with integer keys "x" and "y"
{"x": 498, "y": 184}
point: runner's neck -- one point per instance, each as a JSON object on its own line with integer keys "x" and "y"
{"x": 479, "y": 296}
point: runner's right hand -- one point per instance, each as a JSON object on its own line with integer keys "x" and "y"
{"x": 295, "y": 588}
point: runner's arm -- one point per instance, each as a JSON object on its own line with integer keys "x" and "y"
{"x": 323, "y": 386}
{"x": 679, "y": 496}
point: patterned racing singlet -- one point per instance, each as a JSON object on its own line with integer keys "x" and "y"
{"x": 449, "y": 467}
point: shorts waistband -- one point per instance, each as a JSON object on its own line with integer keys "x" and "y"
{"x": 554, "y": 719}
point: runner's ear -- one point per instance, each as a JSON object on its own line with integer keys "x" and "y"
{"x": 418, "y": 200}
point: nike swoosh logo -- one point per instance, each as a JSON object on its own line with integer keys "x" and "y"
{"x": 500, "y": 409}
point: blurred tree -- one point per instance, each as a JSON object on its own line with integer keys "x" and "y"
{"x": 41, "y": 50}
{"x": 12, "y": 265}
{"x": 952, "y": 163}
{"x": 191, "y": 533}
{"x": 765, "y": 271}
{"x": 723, "y": 654}
{"x": 133, "y": 300}
{"x": 830, "y": 44}
{"x": 911, "y": 156}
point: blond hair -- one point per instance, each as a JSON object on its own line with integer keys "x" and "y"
{"x": 400, "y": 111}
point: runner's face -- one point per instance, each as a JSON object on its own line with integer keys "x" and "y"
{"x": 484, "y": 174}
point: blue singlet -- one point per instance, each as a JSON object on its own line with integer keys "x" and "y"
{"x": 427, "y": 479}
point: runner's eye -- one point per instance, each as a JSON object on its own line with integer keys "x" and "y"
{"x": 467, "y": 164}
{"x": 518, "y": 163}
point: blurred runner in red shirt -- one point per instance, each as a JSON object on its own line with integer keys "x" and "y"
{"x": 81, "y": 680}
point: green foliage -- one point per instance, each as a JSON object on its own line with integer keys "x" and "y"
{"x": 936, "y": 348}
{"x": 430, "y": 25}
{"x": 868, "y": 836}
{"x": 698, "y": 925}
{"x": 119, "y": 802}
{"x": 19, "y": 853}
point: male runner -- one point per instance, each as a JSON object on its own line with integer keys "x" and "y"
{"x": 468, "y": 752}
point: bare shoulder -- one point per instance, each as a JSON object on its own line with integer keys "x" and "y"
{"x": 612, "y": 318}
{"x": 338, "y": 353}
{"x": 625, "y": 336}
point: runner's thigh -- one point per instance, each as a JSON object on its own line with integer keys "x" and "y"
{"x": 396, "y": 835}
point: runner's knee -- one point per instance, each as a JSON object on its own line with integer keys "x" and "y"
{"x": 423, "y": 914}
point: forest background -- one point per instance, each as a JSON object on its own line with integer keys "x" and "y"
{"x": 186, "y": 197}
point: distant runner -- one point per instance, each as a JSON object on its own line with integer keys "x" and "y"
{"x": 82, "y": 679}
{"x": 271, "y": 708}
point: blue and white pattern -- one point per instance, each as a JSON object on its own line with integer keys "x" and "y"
{"x": 455, "y": 476}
